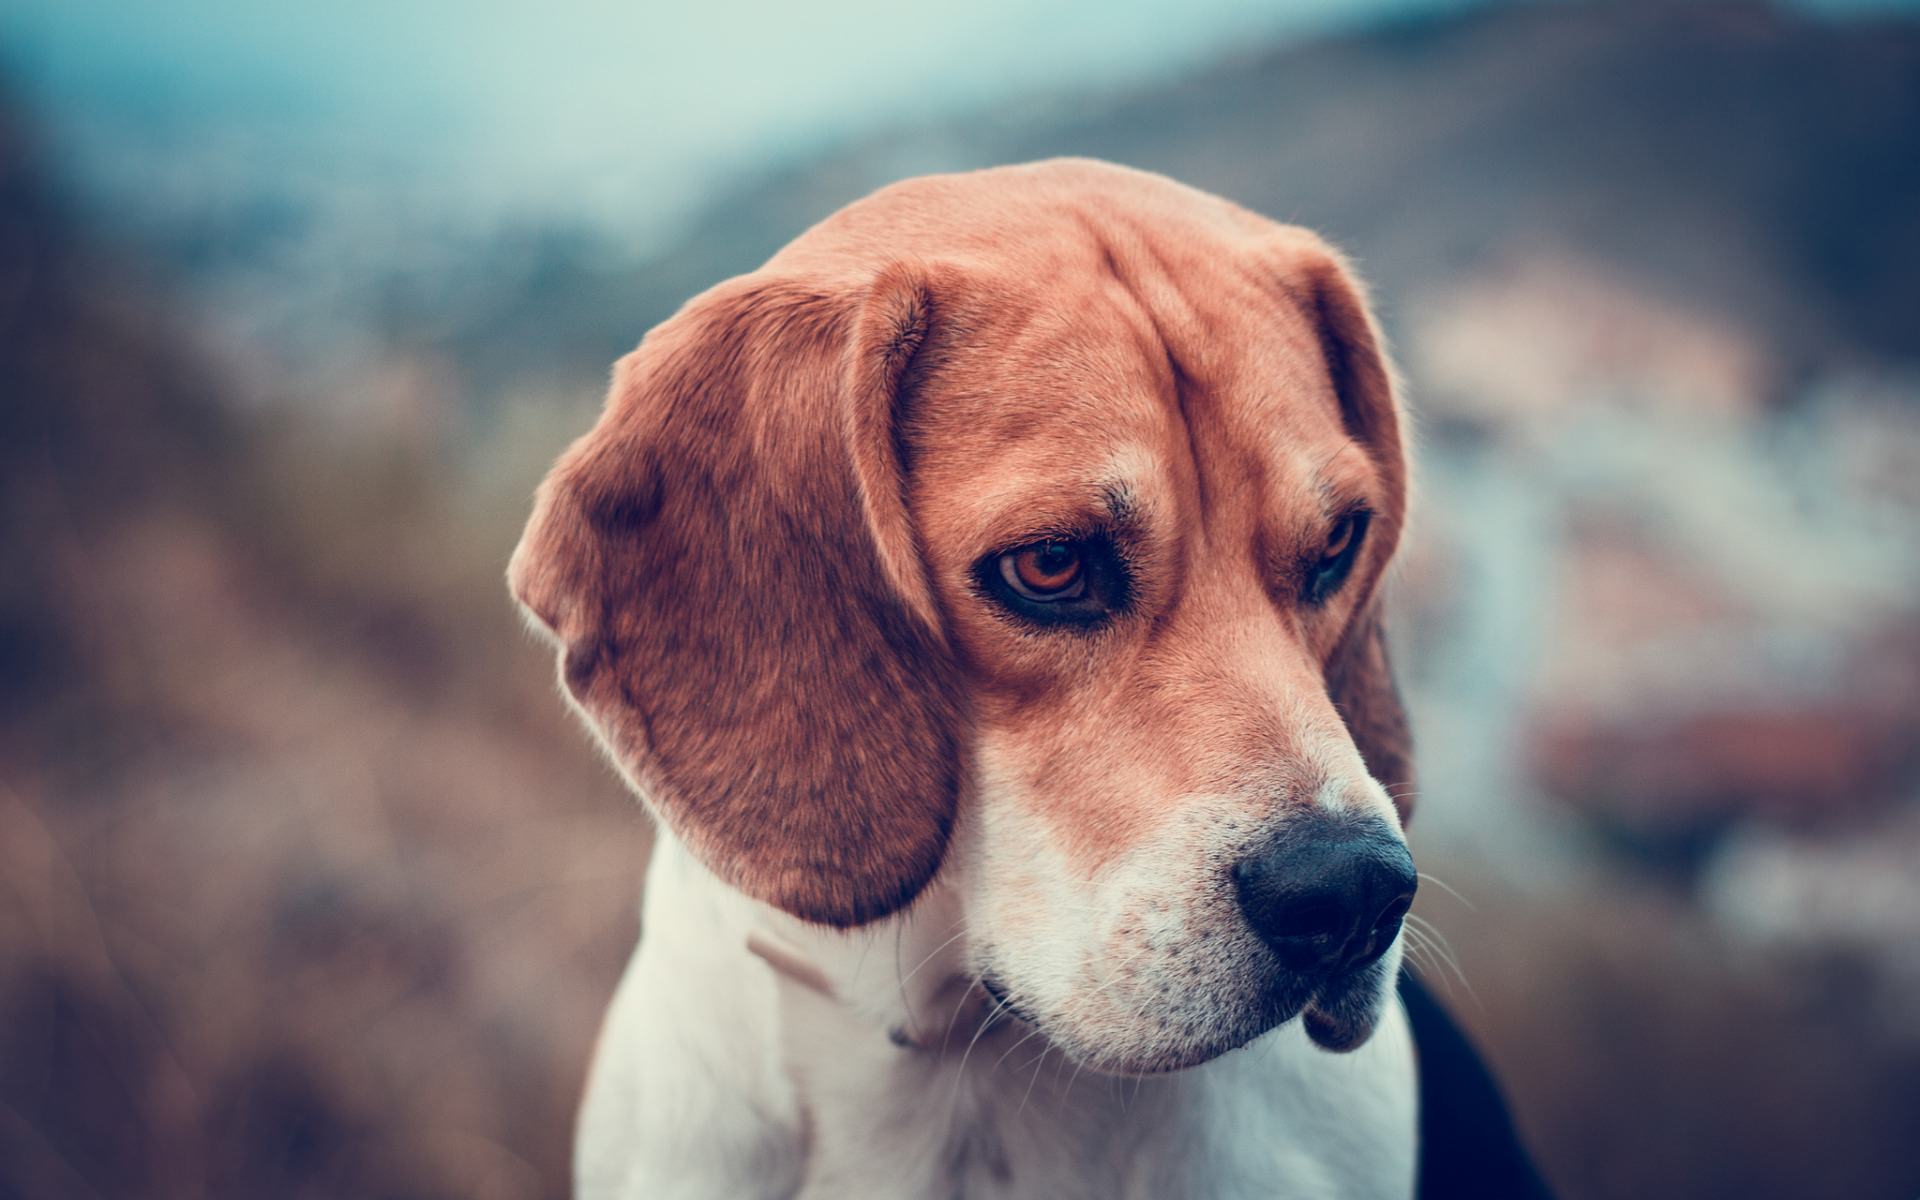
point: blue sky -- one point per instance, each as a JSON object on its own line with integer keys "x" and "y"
{"x": 593, "y": 94}
{"x": 632, "y": 107}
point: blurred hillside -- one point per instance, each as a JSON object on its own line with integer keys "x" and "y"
{"x": 294, "y": 841}
{"x": 310, "y": 890}
{"x": 1733, "y": 158}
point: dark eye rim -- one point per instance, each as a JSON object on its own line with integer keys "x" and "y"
{"x": 1105, "y": 591}
{"x": 1325, "y": 577}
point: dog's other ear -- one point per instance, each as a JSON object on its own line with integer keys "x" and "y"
{"x": 1360, "y": 680}
{"x": 743, "y": 613}
{"x": 1359, "y": 674}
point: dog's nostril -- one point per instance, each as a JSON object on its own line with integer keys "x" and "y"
{"x": 1390, "y": 917}
{"x": 1385, "y": 928}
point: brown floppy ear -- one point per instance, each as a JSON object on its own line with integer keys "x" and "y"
{"x": 1359, "y": 674}
{"x": 728, "y": 566}
{"x": 1360, "y": 680}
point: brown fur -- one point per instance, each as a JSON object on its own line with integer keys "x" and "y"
{"x": 707, "y": 558}
{"x": 759, "y": 563}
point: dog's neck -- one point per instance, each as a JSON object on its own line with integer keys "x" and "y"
{"x": 750, "y": 1055}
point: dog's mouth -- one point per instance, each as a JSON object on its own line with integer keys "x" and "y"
{"x": 1339, "y": 1014}
{"x": 1003, "y": 1005}
{"x": 1342, "y": 1015}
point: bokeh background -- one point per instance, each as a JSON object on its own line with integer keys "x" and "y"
{"x": 309, "y": 889}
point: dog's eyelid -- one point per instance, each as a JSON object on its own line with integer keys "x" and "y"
{"x": 1040, "y": 534}
{"x": 1113, "y": 512}
{"x": 1337, "y": 506}
{"x": 1355, "y": 518}
{"x": 1325, "y": 572}
{"x": 1089, "y": 529}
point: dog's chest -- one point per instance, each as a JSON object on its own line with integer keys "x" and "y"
{"x": 718, "y": 1076}
{"x": 1274, "y": 1120}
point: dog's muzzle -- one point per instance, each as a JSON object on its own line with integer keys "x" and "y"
{"x": 1328, "y": 898}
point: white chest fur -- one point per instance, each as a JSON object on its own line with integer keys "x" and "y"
{"x": 715, "y": 1077}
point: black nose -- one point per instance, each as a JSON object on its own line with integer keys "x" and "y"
{"x": 1329, "y": 896}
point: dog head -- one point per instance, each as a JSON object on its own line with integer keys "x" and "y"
{"x": 1022, "y": 529}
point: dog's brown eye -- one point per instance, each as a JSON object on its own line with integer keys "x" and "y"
{"x": 1336, "y": 557}
{"x": 1341, "y": 537}
{"x": 1059, "y": 582}
{"x": 1045, "y": 572}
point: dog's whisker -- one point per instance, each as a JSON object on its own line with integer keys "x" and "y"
{"x": 1421, "y": 954}
{"x": 1421, "y": 948}
{"x": 866, "y": 948}
{"x": 960, "y": 1072}
{"x": 986, "y": 1023}
{"x": 1078, "y": 1066}
{"x": 1440, "y": 946}
{"x": 903, "y": 980}
{"x": 1059, "y": 1065}
{"x": 899, "y": 933}
{"x": 1032, "y": 1032}
{"x": 1448, "y": 888}
{"x": 1028, "y": 1094}
{"x": 1431, "y": 960}
{"x": 966, "y": 993}
{"x": 1430, "y": 932}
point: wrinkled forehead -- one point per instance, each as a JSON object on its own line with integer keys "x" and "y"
{"x": 1066, "y": 405}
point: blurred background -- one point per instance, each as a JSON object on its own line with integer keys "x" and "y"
{"x": 308, "y": 887}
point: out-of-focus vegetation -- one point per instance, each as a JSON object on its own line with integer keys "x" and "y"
{"x": 307, "y": 887}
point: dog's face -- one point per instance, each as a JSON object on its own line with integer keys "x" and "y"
{"x": 1048, "y": 504}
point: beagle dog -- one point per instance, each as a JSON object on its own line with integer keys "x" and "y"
{"x": 984, "y": 597}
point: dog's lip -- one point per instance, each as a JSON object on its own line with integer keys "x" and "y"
{"x": 1330, "y": 1031}
{"x": 1341, "y": 1016}
{"x": 1003, "y": 1003}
